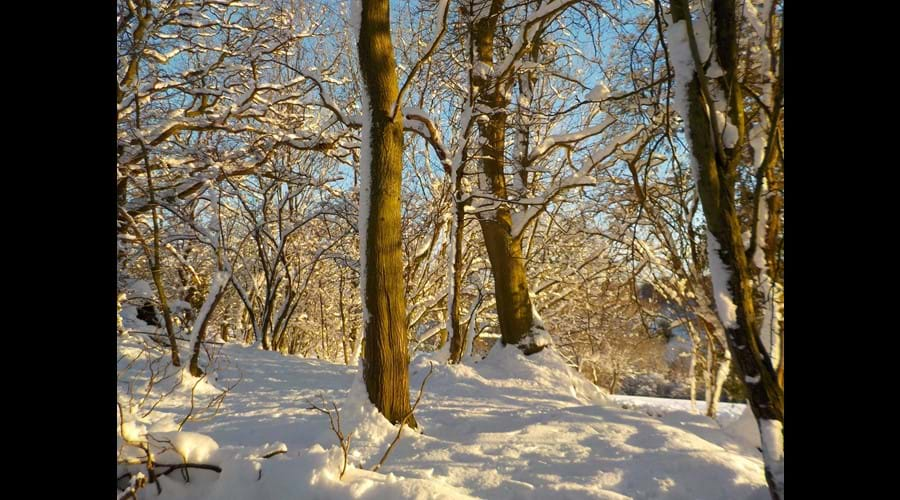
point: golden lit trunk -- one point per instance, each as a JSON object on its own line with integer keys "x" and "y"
{"x": 385, "y": 327}
{"x": 514, "y": 309}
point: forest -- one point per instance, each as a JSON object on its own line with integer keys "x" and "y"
{"x": 450, "y": 249}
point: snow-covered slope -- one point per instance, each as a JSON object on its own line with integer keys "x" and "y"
{"x": 506, "y": 427}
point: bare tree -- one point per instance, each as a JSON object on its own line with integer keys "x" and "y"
{"x": 710, "y": 94}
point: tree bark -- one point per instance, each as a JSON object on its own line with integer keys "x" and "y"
{"x": 514, "y": 308}
{"x": 384, "y": 303}
{"x": 716, "y": 168}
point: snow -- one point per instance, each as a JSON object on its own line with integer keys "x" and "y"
{"x": 598, "y": 93}
{"x": 728, "y": 413}
{"x": 772, "y": 434}
{"x": 521, "y": 220}
{"x": 762, "y": 223}
{"x": 365, "y": 177}
{"x": 219, "y": 281}
{"x": 191, "y": 447}
{"x": 527, "y": 31}
{"x": 720, "y": 275}
{"x": 744, "y": 429}
{"x": 730, "y": 135}
{"x": 482, "y": 70}
{"x": 682, "y": 62}
{"x": 470, "y": 330}
{"x": 683, "y": 66}
{"x": 139, "y": 289}
{"x": 573, "y": 137}
{"x": 538, "y": 333}
{"x": 762, "y": 55}
{"x": 480, "y": 9}
{"x": 714, "y": 70}
{"x": 508, "y": 426}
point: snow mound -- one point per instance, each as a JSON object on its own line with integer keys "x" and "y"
{"x": 544, "y": 371}
{"x": 745, "y": 429}
{"x": 188, "y": 447}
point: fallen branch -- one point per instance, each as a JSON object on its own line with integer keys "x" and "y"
{"x": 187, "y": 465}
{"x": 276, "y": 452}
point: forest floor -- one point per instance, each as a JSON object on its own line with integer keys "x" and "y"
{"x": 506, "y": 427}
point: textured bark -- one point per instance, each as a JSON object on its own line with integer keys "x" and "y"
{"x": 514, "y": 309}
{"x": 716, "y": 185}
{"x": 385, "y": 325}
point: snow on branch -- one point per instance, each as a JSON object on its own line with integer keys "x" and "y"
{"x": 554, "y": 141}
{"x": 418, "y": 121}
{"x": 528, "y": 30}
{"x": 521, "y": 220}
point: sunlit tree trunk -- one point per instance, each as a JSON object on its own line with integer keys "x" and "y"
{"x": 383, "y": 298}
{"x": 716, "y": 167}
{"x": 514, "y": 308}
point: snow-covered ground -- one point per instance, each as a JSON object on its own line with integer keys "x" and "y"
{"x": 735, "y": 419}
{"x": 727, "y": 412}
{"x": 506, "y": 427}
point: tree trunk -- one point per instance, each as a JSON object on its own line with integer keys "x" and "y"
{"x": 121, "y": 228}
{"x": 198, "y": 331}
{"x": 716, "y": 167}
{"x": 457, "y": 337}
{"x": 344, "y": 339}
{"x": 514, "y": 309}
{"x": 724, "y": 366}
{"x": 384, "y": 303}
{"x": 156, "y": 272}
{"x": 692, "y": 373}
{"x": 708, "y": 372}
{"x": 322, "y": 328}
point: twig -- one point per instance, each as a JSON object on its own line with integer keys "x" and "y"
{"x": 344, "y": 439}
{"x": 405, "y": 418}
{"x": 191, "y": 411}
